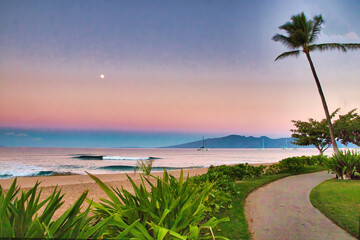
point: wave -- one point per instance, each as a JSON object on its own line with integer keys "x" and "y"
{"x": 92, "y": 157}
{"x": 5, "y": 175}
{"x": 89, "y": 157}
{"x": 70, "y": 166}
{"x": 131, "y": 168}
{"x": 35, "y": 174}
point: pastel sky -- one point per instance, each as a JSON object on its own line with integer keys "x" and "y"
{"x": 190, "y": 68}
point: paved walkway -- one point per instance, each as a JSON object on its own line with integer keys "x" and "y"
{"x": 282, "y": 210}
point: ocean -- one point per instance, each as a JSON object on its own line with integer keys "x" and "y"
{"x": 16, "y": 161}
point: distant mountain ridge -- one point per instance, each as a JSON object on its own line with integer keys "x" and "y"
{"x": 238, "y": 141}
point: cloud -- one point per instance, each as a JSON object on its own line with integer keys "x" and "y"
{"x": 348, "y": 37}
{"x": 21, "y": 135}
{"x": 9, "y": 134}
{"x": 352, "y": 35}
{"x": 37, "y": 139}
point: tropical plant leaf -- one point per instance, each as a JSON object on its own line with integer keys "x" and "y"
{"x": 295, "y": 53}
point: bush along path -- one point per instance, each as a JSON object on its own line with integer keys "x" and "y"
{"x": 282, "y": 210}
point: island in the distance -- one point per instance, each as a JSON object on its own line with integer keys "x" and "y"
{"x": 238, "y": 141}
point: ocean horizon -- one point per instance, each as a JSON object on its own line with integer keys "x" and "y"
{"x": 43, "y": 161}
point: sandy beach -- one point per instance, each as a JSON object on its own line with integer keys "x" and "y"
{"x": 74, "y": 185}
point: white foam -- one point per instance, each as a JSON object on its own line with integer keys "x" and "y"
{"x": 18, "y": 170}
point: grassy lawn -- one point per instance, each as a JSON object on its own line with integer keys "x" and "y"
{"x": 237, "y": 227}
{"x": 339, "y": 200}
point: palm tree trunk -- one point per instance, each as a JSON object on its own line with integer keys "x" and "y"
{"x": 332, "y": 135}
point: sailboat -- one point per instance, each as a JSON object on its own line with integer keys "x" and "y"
{"x": 203, "y": 147}
{"x": 263, "y": 147}
{"x": 285, "y": 148}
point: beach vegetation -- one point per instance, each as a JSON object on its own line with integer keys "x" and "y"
{"x": 239, "y": 172}
{"x": 145, "y": 165}
{"x": 23, "y": 215}
{"x": 340, "y": 202}
{"x": 171, "y": 209}
{"x": 296, "y": 164}
{"x": 301, "y": 35}
{"x": 224, "y": 178}
{"x": 345, "y": 164}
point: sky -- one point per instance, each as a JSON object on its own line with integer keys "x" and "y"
{"x": 173, "y": 70}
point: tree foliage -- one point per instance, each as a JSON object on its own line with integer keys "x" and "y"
{"x": 313, "y": 132}
{"x": 347, "y": 128}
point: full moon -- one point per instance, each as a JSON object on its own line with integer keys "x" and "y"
{"x": 102, "y": 76}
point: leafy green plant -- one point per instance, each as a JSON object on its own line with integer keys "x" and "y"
{"x": 273, "y": 169}
{"x": 172, "y": 209}
{"x": 224, "y": 178}
{"x": 22, "y": 217}
{"x": 344, "y": 164}
{"x": 145, "y": 166}
{"x": 296, "y": 164}
{"x": 239, "y": 172}
{"x": 221, "y": 194}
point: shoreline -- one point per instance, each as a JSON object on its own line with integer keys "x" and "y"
{"x": 72, "y": 179}
{"x": 74, "y": 185}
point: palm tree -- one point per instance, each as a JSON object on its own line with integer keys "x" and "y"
{"x": 301, "y": 36}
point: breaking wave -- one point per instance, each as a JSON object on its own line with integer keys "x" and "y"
{"x": 92, "y": 157}
{"x": 131, "y": 168}
{"x": 36, "y": 174}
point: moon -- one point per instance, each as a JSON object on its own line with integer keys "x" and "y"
{"x": 102, "y": 76}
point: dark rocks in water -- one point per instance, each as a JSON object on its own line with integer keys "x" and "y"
{"x": 89, "y": 157}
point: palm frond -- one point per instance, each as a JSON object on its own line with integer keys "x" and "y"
{"x": 288, "y": 54}
{"x": 352, "y": 46}
{"x": 316, "y": 28}
{"x": 328, "y": 46}
{"x": 298, "y": 31}
{"x": 287, "y": 41}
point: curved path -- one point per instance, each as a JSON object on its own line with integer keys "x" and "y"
{"x": 282, "y": 210}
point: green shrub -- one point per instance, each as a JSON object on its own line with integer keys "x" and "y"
{"x": 224, "y": 178}
{"x": 221, "y": 194}
{"x": 239, "y": 172}
{"x": 296, "y": 164}
{"x": 273, "y": 169}
{"x": 20, "y": 217}
{"x": 317, "y": 160}
{"x": 345, "y": 164}
{"x": 145, "y": 166}
{"x": 172, "y": 209}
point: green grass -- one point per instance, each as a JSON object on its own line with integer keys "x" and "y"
{"x": 237, "y": 227}
{"x": 339, "y": 200}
